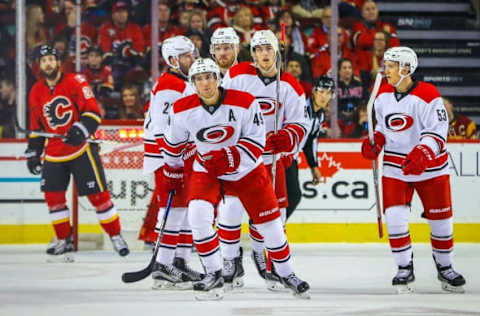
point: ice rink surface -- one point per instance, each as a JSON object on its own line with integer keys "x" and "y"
{"x": 346, "y": 279}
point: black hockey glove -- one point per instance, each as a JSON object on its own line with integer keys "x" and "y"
{"x": 76, "y": 134}
{"x": 34, "y": 163}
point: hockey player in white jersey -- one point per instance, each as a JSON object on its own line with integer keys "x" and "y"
{"x": 171, "y": 269}
{"x": 411, "y": 128}
{"x": 228, "y": 129}
{"x": 224, "y": 48}
{"x": 259, "y": 79}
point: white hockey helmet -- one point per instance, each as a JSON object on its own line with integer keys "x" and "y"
{"x": 203, "y": 65}
{"x": 224, "y": 35}
{"x": 263, "y": 37}
{"x": 405, "y": 56}
{"x": 176, "y": 46}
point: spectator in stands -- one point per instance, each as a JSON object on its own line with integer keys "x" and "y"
{"x": 99, "y": 76}
{"x": 244, "y": 26}
{"x": 294, "y": 67}
{"x": 360, "y": 117}
{"x": 65, "y": 28}
{"x": 165, "y": 30}
{"x": 132, "y": 105}
{"x": 307, "y": 9}
{"x": 200, "y": 43}
{"x": 350, "y": 95}
{"x": 371, "y": 61}
{"x": 287, "y": 48}
{"x": 8, "y": 105}
{"x": 321, "y": 64}
{"x": 36, "y": 31}
{"x": 364, "y": 31}
{"x": 292, "y": 31}
{"x": 270, "y": 9}
{"x": 183, "y": 19}
{"x": 60, "y": 43}
{"x": 461, "y": 127}
{"x": 121, "y": 42}
{"x": 220, "y": 13}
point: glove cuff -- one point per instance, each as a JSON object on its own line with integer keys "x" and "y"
{"x": 82, "y": 128}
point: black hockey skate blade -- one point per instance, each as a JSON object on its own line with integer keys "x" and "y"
{"x": 130, "y": 277}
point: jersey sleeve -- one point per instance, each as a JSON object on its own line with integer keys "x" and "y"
{"x": 434, "y": 126}
{"x": 87, "y": 105}
{"x": 380, "y": 124}
{"x": 35, "y": 142}
{"x": 160, "y": 104}
{"x": 296, "y": 120}
{"x": 176, "y": 139}
{"x": 252, "y": 139}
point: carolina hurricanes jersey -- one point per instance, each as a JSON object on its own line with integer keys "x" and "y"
{"x": 236, "y": 120}
{"x": 55, "y": 109}
{"x": 406, "y": 120}
{"x": 293, "y": 113}
{"x": 169, "y": 88}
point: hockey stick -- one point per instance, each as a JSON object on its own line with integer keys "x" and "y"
{"x": 371, "y": 100}
{"x": 275, "y": 128}
{"x": 130, "y": 277}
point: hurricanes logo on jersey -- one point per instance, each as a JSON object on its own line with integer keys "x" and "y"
{"x": 398, "y": 122}
{"x": 267, "y": 105}
{"x": 215, "y": 134}
{"x": 58, "y": 112}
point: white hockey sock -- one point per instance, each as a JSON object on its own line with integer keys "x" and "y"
{"x": 229, "y": 226}
{"x": 169, "y": 241}
{"x": 185, "y": 240}
{"x": 396, "y": 218}
{"x": 283, "y": 216}
{"x": 200, "y": 217}
{"x": 441, "y": 238}
{"x": 256, "y": 238}
{"x": 277, "y": 246}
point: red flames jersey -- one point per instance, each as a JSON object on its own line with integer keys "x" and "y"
{"x": 103, "y": 77}
{"x": 111, "y": 37}
{"x": 461, "y": 127}
{"x": 55, "y": 109}
{"x": 363, "y": 35}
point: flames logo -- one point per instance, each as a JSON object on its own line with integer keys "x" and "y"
{"x": 267, "y": 105}
{"x": 398, "y": 122}
{"x": 58, "y": 112}
{"x": 215, "y": 134}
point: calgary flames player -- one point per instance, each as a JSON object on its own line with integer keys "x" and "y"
{"x": 227, "y": 127}
{"x": 412, "y": 127}
{"x": 64, "y": 104}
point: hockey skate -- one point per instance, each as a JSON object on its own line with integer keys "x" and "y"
{"x": 61, "y": 250}
{"x": 233, "y": 272}
{"x": 210, "y": 288}
{"x": 402, "y": 279}
{"x": 259, "y": 260}
{"x": 451, "y": 280}
{"x": 120, "y": 245}
{"x": 191, "y": 274}
{"x": 169, "y": 277}
{"x": 299, "y": 287}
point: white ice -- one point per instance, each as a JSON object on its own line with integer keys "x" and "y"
{"x": 346, "y": 279}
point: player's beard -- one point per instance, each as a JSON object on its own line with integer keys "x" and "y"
{"x": 52, "y": 75}
{"x": 226, "y": 62}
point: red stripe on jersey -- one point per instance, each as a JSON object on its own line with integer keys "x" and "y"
{"x": 243, "y": 68}
{"x": 254, "y": 149}
{"x": 169, "y": 82}
{"x": 298, "y": 130}
{"x": 279, "y": 254}
{"x": 160, "y": 142}
{"x": 439, "y": 161}
{"x": 170, "y": 239}
{"x": 399, "y": 242}
{"x": 174, "y": 150}
{"x": 238, "y": 98}
{"x": 441, "y": 244}
{"x": 440, "y": 142}
{"x": 288, "y": 78}
{"x": 208, "y": 245}
{"x": 425, "y": 91}
{"x": 151, "y": 148}
{"x": 187, "y": 103}
{"x": 393, "y": 159}
{"x": 229, "y": 235}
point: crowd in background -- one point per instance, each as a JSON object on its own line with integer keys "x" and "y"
{"x": 116, "y": 46}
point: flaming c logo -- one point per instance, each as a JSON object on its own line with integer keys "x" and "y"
{"x": 398, "y": 122}
{"x": 267, "y": 105}
{"x": 215, "y": 134}
{"x": 58, "y": 112}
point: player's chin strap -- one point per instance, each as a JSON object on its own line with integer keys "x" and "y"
{"x": 401, "y": 76}
{"x": 271, "y": 67}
